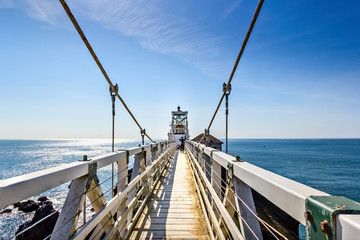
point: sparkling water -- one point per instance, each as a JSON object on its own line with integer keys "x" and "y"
{"x": 18, "y": 157}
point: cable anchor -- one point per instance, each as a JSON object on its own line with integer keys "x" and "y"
{"x": 143, "y": 132}
{"x": 113, "y": 92}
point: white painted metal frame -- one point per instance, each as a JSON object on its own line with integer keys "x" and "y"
{"x": 285, "y": 193}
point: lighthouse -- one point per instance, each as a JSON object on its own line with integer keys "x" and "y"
{"x": 179, "y": 126}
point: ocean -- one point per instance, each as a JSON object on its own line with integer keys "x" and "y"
{"x": 330, "y": 165}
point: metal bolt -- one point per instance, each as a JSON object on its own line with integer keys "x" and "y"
{"x": 325, "y": 227}
{"x": 308, "y": 215}
{"x": 239, "y": 159}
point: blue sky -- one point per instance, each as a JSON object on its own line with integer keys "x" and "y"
{"x": 299, "y": 76}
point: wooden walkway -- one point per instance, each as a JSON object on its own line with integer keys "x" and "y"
{"x": 174, "y": 211}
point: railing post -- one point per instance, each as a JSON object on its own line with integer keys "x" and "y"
{"x": 153, "y": 150}
{"x": 158, "y": 149}
{"x": 244, "y": 193}
{"x": 122, "y": 181}
{"x": 97, "y": 198}
{"x": 74, "y": 203}
{"x": 197, "y": 153}
{"x": 148, "y": 160}
{"x": 132, "y": 192}
{"x": 203, "y": 160}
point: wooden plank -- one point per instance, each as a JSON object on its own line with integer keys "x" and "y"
{"x": 65, "y": 227}
{"x": 122, "y": 179}
{"x": 169, "y": 221}
{"x": 168, "y": 235}
{"x": 98, "y": 201}
{"x": 179, "y": 198}
{"x": 131, "y": 194}
{"x": 173, "y": 211}
{"x": 97, "y": 233}
{"x": 174, "y": 206}
{"x": 149, "y": 226}
{"x": 172, "y": 215}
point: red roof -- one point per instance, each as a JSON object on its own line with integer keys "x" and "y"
{"x": 210, "y": 139}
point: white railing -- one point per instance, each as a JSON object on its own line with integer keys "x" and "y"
{"x": 233, "y": 193}
{"x": 149, "y": 162}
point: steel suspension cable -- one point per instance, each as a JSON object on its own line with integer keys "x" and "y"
{"x": 86, "y": 42}
{"x": 253, "y": 21}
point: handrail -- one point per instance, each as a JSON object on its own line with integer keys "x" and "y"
{"x": 116, "y": 200}
{"x": 227, "y": 218}
{"x": 15, "y": 189}
{"x": 287, "y": 194}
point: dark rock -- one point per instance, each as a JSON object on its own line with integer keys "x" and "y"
{"x": 22, "y": 227}
{"x": 42, "y": 229}
{"x": 115, "y": 190}
{"x": 42, "y": 212}
{"x": 48, "y": 202}
{"x": 28, "y": 206}
{"x": 18, "y": 204}
{"x": 6, "y": 211}
{"x": 42, "y": 199}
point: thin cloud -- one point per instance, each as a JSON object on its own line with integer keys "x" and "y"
{"x": 157, "y": 31}
{"x": 6, "y": 4}
{"x": 155, "y": 28}
{"x": 231, "y": 8}
{"x": 42, "y": 10}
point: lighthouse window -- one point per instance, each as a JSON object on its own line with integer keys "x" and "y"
{"x": 179, "y": 129}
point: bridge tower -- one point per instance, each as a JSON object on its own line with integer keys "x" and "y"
{"x": 178, "y": 126}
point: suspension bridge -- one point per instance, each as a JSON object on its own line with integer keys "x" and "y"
{"x": 160, "y": 192}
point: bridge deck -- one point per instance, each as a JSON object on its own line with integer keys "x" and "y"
{"x": 174, "y": 210}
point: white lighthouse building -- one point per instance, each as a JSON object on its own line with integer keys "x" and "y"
{"x": 179, "y": 126}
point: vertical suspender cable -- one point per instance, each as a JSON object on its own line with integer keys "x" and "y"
{"x": 253, "y": 21}
{"x": 113, "y": 92}
{"x": 227, "y": 93}
{"x": 227, "y": 113}
{"x": 86, "y": 42}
